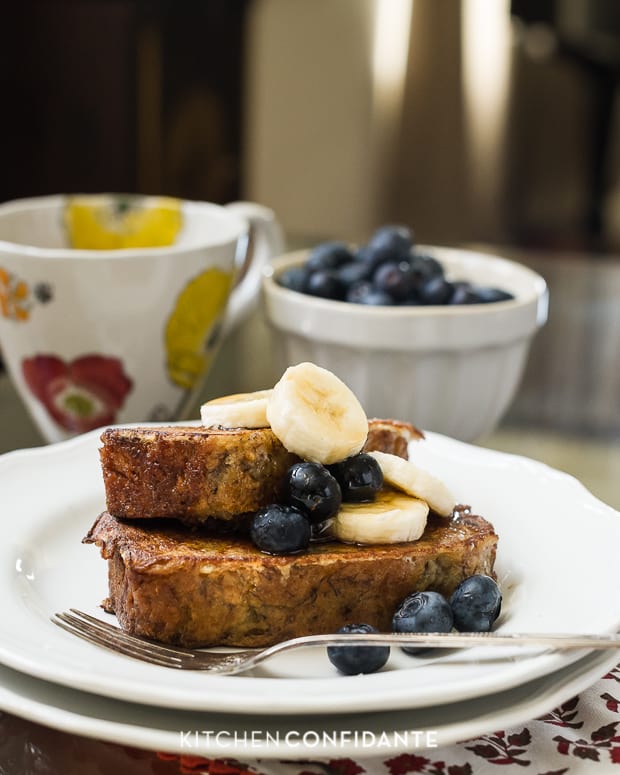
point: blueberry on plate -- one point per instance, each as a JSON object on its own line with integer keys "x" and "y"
{"x": 352, "y": 660}
{"x": 280, "y": 529}
{"x": 328, "y": 255}
{"x": 360, "y": 477}
{"x": 422, "y": 612}
{"x": 312, "y": 489}
{"x": 476, "y": 604}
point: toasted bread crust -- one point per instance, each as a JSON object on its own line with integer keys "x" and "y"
{"x": 177, "y": 585}
{"x": 393, "y": 436}
{"x": 197, "y": 474}
{"x": 191, "y": 473}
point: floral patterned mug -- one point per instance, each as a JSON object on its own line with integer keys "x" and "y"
{"x": 112, "y": 306}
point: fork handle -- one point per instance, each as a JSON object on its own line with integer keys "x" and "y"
{"x": 455, "y": 640}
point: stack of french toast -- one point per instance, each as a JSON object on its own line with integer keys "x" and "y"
{"x": 184, "y": 564}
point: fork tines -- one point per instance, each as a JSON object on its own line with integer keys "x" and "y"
{"x": 103, "y": 634}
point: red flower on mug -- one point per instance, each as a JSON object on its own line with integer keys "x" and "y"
{"x": 81, "y": 395}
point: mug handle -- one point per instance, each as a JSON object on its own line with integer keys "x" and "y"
{"x": 264, "y": 240}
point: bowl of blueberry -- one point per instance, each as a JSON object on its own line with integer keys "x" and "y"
{"x": 437, "y": 336}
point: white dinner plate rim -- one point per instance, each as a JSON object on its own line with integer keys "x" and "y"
{"x": 29, "y": 698}
{"x": 288, "y": 700}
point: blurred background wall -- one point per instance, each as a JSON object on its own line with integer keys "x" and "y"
{"x": 471, "y": 120}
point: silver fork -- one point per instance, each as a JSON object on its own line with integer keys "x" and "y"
{"x": 103, "y": 634}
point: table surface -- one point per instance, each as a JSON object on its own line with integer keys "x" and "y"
{"x": 566, "y": 414}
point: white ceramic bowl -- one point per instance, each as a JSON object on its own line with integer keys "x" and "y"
{"x": 451, "y": 369}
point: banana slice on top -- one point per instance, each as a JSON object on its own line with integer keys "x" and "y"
{"x": 408, "y": 477}
{"x": 242, "y": 410}
{"x": 390, "y": 519}
{"x": 316, "y": 416}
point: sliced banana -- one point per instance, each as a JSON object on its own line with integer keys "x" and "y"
{"x": 415, "y": 481}
{"x": 316, "y": 416}
{"x": 390, "y": 519}
{"x": 243, "y": 410}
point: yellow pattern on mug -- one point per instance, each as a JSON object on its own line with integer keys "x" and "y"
{"x": 192, "y": 330}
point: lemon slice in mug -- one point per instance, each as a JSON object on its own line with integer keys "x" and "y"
{"x": 110, "y": 223}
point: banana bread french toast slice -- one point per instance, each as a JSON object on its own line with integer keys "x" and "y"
{"x": 177, "y": 585}
{"x": 197, "y": 474}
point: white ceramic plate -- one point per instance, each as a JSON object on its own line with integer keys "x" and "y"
{"x": 557, "y": 564}
{"x": 292, "y": 737}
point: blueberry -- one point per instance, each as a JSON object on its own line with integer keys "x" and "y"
{"x": 396, "y": 279}
{"x": 437, "y": 290}
{"x": 422, "y": 269}
{"x": 374, "y": 257}
{"x": 422, "y": 612}
{"x": 463, "y": 293}
{"x": 365, "y": 293}
{"x": 486, "y": 295}
{"x": 294, "y": 279}
{"x": 358, "y": 292}
{"x": 312, "y": 489}
{"x": 375, "y": 298}
{"x": 364, "y": 255}
{"x": 394, "y": 240}
{"x": 280, "y": 529}
{"x": 360, "y": 477}
{"x": 476, "y": 604}
{"x": 389, "y": 243}
{"x": 326, "y": 284}
{"x": 388, "y": 270}
{"x": 429, "y": 266}
{"x": 352, "y": 660}
{"x": 353, "y": 273}
{"x": 328, "y": 255}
